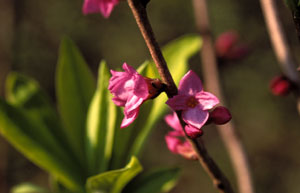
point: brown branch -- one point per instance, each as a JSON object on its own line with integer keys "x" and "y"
{"x": 281, "y": 48}
{"x": 211, "y": 78}
{"x": 139, "y": 11}
{"x": 140, "y": 14}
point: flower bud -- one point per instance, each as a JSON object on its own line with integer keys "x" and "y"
{"x": 228, "y": 47}
{"x": 220, "y": 115}
{"x": 280, "y": 86}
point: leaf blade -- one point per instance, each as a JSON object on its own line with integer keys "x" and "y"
{"x": 75, "y": 86}
{"x": 115, "y": 180}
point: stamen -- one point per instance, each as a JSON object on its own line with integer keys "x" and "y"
{"x": 192, "y": 102}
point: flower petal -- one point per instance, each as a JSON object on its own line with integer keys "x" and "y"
{"x": 140, "y": 87}
{"x": 193, "y": 132}
{"x": 106, "y": 6}
{"x": 190, "y": 84}
{"x": 132, "y": 104}
{"x": 195, "y": 117}
{"x": 185, "y": 149}
{"x": 207, "y": 100}
{"x": 172, "y": 143}
{"x": 129, "y": 118}
{"x": 173, "y": 121}
{"x": 178, "y": 102}
{"x": 129, "y": 69}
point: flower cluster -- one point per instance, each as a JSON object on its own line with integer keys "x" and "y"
{"x": 194, "y": 105}
{"x": 103, "y": 6}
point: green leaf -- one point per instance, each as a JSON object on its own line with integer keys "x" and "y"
{"x": 156, "y": 181}
{"x": 177, "y": 54}
{"x": 114, "y": 181}
{"x": 75, "y": 86}
{"x": 17, "y": 127}
{"x": 25, "y": 93}
{"x": 28, "y": 188}
{"x": 101, "y": 123}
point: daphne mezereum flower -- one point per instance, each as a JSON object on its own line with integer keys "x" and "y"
{"x": 192, "y": 100}
{"x": 130, "y": 90}
{"x": 175, "y": 139}
{"x": 105, "y": 7}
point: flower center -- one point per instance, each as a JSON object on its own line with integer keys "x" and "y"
{"x": 192, "y": 102}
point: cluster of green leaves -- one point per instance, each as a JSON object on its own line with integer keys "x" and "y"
{"x": 83, "y": 147}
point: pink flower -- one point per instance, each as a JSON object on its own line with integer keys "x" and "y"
{"x": 103, "y": 6}
{"x": 192, "y": 100}
{"x": 175, "y": 139}
{"x": 130, "y": 90}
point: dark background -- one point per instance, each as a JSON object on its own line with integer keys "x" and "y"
{"x": 30, "y": 32}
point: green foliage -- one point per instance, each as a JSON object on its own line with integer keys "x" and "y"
{"x": 114, "y": 181}
{"x": 75, "y": 86}
{"x": 101, "y": 125}
{"x": 28, "y": 188}
{"x": 156, "y": 181}
{"x": 86, "y": 139}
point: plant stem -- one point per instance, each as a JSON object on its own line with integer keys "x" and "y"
{"x": 140, "y": 14}
{"x": 211, "y": 78}
{"x": 280, "y": 45}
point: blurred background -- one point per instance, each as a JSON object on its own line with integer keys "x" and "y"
{"x": 30, "y": 33}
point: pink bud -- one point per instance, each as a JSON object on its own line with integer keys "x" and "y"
{"x": 228, "y": 46}
{"x": 280, "y": 86}
{"x": 220, "y": 115}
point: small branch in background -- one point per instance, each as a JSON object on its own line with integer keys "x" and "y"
{"x": 281, "y": 48}
{"x": 139, "y": 11}
{"x": 211, "y": 78}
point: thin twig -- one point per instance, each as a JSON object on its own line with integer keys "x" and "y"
{"x": 211, "y": 78}
{"x": 140, "y": 14}
{"x": 281, "y": 48}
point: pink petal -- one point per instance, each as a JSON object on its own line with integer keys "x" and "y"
{"x": 117, "y": 101}
{"x": 129, "y": 69}
{"x": 172, "y": 143}
{"x": 106, "y": 6}
{"x": 207, "y": 100}
{"x": 132, "y": 104}
{"x": 129, "y": 118}
{"x": 190, "y": 84}
{"x": 95, "y": 6}
{"x": 140, "y": 87}
{"x": 178, "y": 102}
{"x": 193, "y": 132}
{"x": 90, "y": 6}
{"x": 173, "y": 121}
{"x": 195, "y": 117}
{"x": 176, "y": 133}
{"x": 186, "y": 151}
